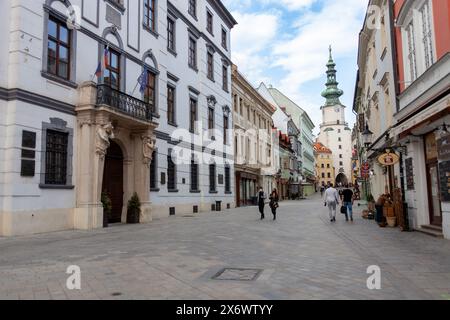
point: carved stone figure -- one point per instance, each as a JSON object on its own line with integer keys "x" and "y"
{"x": 148, "y": 145}
{"x": 104, "y": 133}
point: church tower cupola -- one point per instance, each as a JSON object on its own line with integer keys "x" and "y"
{"x": 332, "y": 93}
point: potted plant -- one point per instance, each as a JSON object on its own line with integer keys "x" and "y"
{"x": 107, "y": 208}
{"x": 379, "y": 209}
{"x": 134, "y": 209}
{"x": 389, "y": 213}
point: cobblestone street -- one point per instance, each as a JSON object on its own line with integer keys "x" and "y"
{"x": 300, "y": 256}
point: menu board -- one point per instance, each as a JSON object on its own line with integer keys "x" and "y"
{"x": 444, "y": 174}
{"x": 409, "y": 173}
{"x": 443, "y": 147}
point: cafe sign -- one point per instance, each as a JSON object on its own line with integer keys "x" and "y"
{"x": 388, "y": 159}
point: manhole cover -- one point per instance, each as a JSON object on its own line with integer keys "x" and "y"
{"x": 235, "y": 274}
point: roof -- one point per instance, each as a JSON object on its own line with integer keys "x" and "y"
{"x": 282, "y": 100}
{"x": 320, "y": 148}
{"x": 220, "y": 8}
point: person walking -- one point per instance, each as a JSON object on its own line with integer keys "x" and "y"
{"x": 261, "y": 202}
{"x": 331, "y": 199}
{"x": 274, "y": 203}
{"x": 322, "y": 190}
{"x": 347, "y": 201}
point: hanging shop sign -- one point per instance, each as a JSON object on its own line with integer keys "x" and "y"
{"x": 388, "y": 159}
{"x": 444, "y": 179}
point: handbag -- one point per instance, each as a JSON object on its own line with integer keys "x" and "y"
{"x": 344, "y": 209}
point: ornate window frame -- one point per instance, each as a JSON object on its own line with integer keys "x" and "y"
{"x": 59, "y": 125}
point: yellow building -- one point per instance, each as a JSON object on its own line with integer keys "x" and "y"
{"x": 325, "y": 170}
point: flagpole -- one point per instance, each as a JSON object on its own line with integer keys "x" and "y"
{"x": 135, "y": 88}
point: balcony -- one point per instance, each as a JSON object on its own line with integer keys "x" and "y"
{"x": 123, "y": 103}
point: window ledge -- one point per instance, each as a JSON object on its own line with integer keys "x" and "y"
{"x": 193, "y": 16}
{"x": 62, "y": 81}
{"x": 118, "y": 6}
{"x": 55, "y": 187}
{"x": 212, "y": 79}
{"x": 194, "y": 191}
{"x": 173, "y": 191}
{"x": 173, "y": 124}
{"x": 150, "y": 30}
{"x": 213, "y": 192}
{"x": 175, "y": 54}
{"x": 154, "y": 189}
{"x": 193, "y": 68}
{"x": 228, "y": 192}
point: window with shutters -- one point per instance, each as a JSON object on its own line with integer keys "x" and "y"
{"x": 194, "y": 175}
{"x": 193, "y": 114}
{"x": 150, "y": 14}
{"x": 171, "y": 173}
{"x": 154, "y": 171}
{"x": 210, "y": 62}
{"x": 227, "y": 179}
{"x": 212, "y": 178}
{"x": 171, "y": 119}
{"x": 58, "y": 52}
{"x": 192, "y": 53}
{"x": 171, "y": 35}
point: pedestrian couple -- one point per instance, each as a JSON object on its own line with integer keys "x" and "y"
{"x": 332, "y": 199}
{"x": 273, "y": 204}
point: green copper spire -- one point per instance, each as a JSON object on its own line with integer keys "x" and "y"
{"x": 332, "y": 92}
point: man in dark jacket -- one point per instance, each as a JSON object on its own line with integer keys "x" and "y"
{"x": 347, "y": 201}
{"x": 261, "y": 202}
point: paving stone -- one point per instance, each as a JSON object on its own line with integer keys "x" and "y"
{"x": 302, "y": 256}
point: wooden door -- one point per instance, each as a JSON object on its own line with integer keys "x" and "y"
{"x": 434, "y": 199}
{"x": 113, "y": 181}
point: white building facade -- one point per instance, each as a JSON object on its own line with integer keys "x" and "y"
{"x": 69, "y": 135}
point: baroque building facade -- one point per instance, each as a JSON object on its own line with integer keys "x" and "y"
{"x": 93, "y": 96}
{"x": 334, "y": 131}
{"x": 287, "y": 122}
{"x": 305, "y": 126}
{"x": 255, "y": 147}
{"x": 417, "y": 95}
{"x": 422, "y": 57}
{"x": 325, "y": 172}
{"x": 375, "y": 97}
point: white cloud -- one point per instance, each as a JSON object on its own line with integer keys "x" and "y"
{"x": 293, "y": 4}
{"x": 252, "y": 41}
{"x": 301, "y": 54}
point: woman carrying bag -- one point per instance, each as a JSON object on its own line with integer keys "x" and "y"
{"x": 274, "y": 203}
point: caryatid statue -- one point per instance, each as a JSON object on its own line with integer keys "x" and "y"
{"x": 148, "y": 146}
{"x": 104, "y": 133}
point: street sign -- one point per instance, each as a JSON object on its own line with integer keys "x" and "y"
{"x": 365, "y": 166}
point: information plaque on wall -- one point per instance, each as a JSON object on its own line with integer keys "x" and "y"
{"x": 444, "y": 173}
{"x": 409, "y": 174}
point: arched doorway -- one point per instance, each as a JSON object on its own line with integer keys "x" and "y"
{"x": 113, "y": 181}
{"x": 341, "y": 180}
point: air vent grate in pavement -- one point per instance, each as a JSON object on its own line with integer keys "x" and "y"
{"x": 238, "y": 274}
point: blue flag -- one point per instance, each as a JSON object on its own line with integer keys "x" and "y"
{"x": 143, "y": 80}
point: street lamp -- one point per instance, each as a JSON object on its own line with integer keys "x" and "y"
{"x": 367, "y": 137}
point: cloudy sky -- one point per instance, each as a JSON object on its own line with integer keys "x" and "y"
{"x": 285, "y": 43}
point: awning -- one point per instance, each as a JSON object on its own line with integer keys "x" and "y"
{"x": 422, "y": 119}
